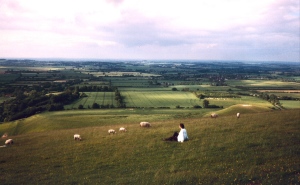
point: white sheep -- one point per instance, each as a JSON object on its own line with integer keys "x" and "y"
{"x": 77, "y": 137}
{"x": 111, "y": 131}
{"x": 238, "y": 115}
{"x": 122, "y": 129}
{"x": 4, "y": 135}
{"x": 9, "y": 142}
{"x": 145, "y": 124}
{"x": 214, "y": 115}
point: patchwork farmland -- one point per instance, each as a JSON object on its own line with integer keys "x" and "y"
{"x": 139, "y": 99}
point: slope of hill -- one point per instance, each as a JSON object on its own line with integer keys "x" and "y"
{"x": 258, "y": 148}
{"x": 241, "y": 108}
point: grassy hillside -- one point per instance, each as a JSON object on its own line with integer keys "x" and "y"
{"x": 258, "y": 148}
{"x": 241, "y": 108}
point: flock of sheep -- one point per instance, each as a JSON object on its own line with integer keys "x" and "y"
{"x": 8, "y": 141}
{"x": 214, "y": 115}
{"x": 77, "y": 137}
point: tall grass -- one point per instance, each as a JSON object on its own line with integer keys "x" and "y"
{"x": 258, "y": 148}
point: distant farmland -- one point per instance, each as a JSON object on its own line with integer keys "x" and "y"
{"x": 158, "y": 99}
{"x": 145, "y": 99}
{"x": 101, "y": 98}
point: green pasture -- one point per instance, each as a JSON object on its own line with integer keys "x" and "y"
{"x": 160, "y": 99}
{"x": 69, "y": 119}
{"x": 139, "y": 89}
{"x": 244, "y": 100}
{"x": 289, "y": 104}
{"x": 140, "y": 98}
{"x": 134, "y": 84}
{"x": 7, "y": 78}
{"x": 120, "y": 74}
{"x": 101, "y": 98}
{"x": 258, "y": 148}
{"x": 275, "y": 84}
{"x": 73, "y": 74}
{"x": 94, "y": 83}
{"x": 203, "y": 88}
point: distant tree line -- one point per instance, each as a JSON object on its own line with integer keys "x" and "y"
{"x": 206, "y": 104}
{"x": 119, "y": 99}
{"x": 287, "y": 98}
{"x": 95, "y": 88}
{"x": 27, "y": 104}
{"x": 29, "y": 100}
{"x": 272, "y": 98}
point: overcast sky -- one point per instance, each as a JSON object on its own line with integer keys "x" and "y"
{"x": 259, "y": 30}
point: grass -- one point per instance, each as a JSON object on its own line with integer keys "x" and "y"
{"x": 163, "y": 98}
{"x": 160, "y": 99}
{"x": 137, "y": 98}
{"x": 258, "y": 148}
{"x": 245, "y": 100}
{"x": 288, "y": 104}
{"x": 265, "y": 83}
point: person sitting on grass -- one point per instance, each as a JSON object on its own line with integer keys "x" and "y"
{"x": 182, "y": 136}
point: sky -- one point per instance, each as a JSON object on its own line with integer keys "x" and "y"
{"x": 251, "y": 30}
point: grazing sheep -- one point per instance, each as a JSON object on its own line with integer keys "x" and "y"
{"x": 145, "y": 124}
{"x": 214, "y": 115}
{"x": 77, "y": 137}
{"x": 4, "y": 135}
{"x": 238, "y": 115}
{"x": 9, "y": 142}
{"x": 111, "y": 131}
{"x": 122, "y": 129}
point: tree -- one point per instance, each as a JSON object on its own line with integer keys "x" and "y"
{"x": 95, "y": 106}
{"x": 174, "y": 89}
{"x": 205, "y": 103}
{"x": 201, "y": 96}
{"x": 80, "y": 106}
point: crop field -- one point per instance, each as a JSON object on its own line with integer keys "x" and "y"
{"x": 275, "y": 84}
{"x": 6, "y": 78}
{"x": 203, "y": 87}
{"x": 101, "y": 98}
{"x": 94, "y": 83}
{"x": 131, "y": 83}
{"x": 162, "y": 98}
{"x": 145, "y": 99}
{"x": 156, "y": 99}
{"x": 290, "y": 104}
{"x": 119, "y": 74}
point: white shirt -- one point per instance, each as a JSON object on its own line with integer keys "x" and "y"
{"x": 182, "y": 136}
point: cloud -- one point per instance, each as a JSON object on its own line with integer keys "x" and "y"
{"x": 220, "y": 29}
